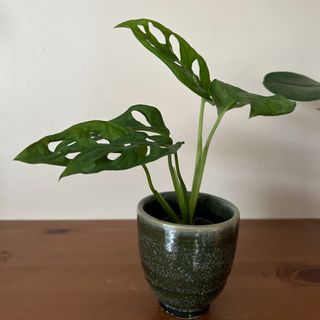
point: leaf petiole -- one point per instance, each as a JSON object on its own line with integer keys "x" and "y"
{"x": 177, "y": 186}
{"x": 164, "y": 204}
{"x": 186, "y": 214}
{"x": 201, "y": 161}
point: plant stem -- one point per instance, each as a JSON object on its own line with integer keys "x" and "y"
{"x": 198, "y": 173}
{"x": 177, "y": 187}
{"x": 194, "y": 196}
{"x": 186, "y": 215}
{"x": 165, "y": 205}
{"x": 200, "y": 129}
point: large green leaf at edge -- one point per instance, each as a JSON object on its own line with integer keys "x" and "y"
{"x": 91, "y": 142}
{"x": 228, "y": 97}
{"x": 293, "y": 86}
{"x": 180, "y": 66}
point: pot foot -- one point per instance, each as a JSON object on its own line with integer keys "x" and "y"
{"x": 183, "y": 314}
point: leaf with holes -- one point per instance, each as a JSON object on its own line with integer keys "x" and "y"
{"x": 94, "y": 146}
{"x": 228, "y": 97}
{"x": 294, "y": 86}
{"x": 152, "y": 120}
{"x": 182, "y": 63}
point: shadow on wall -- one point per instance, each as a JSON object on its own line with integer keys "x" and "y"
{"x": 287, "y": 203}
{"x": 302, "y": 169}
{"x": 285, "y": 165}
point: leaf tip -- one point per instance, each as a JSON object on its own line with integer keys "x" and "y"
{"x": 124, "y": 24}
{"x": 63, "y": 174}
{"x": 19, "y": 157}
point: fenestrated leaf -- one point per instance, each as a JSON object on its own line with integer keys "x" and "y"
{"x": 79, "y": 137}
{"x": 93, "y": 142}
{"x": 152, "y": 116}
{"x": 95, "y": 159}
{"x": 228, "y": 97}
{"x": 180, "y": 66}
{"x": 293, "y": 86}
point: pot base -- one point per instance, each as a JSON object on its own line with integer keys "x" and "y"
{"x": 183, "y": 314}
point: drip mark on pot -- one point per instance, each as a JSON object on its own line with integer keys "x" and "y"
{"x": 57, "y": 231}
{"x": 300, "y": 274}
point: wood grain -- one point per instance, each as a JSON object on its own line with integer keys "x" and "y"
{"x": 89, "y": 270}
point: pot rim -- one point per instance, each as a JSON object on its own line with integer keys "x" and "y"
{"x": 190, "y": 227}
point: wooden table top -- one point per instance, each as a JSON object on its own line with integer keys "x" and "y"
{"x": 89, "y": 270}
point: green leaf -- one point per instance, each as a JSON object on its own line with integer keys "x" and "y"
{"x": 180, "y": 65}
{"x": 91, "y": 146}
{"x": 152, "y": 116}
{"x": 294, "y": 86}
{"x": 228, "y": 97}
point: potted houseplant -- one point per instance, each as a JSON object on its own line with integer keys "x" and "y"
{"x": 187, "y": 239}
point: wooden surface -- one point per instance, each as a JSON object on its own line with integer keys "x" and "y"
{"x": 91, "y": 271}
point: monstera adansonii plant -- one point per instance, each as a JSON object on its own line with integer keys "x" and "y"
{"x": 125, "y": 142}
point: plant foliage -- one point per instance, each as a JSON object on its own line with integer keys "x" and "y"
{"x": 228, "y": 97}
{"x": 294, "y": 86}
{"x": 87, "y": 147}
{"x": 91, "y": 146}
{"x": 180, "y": 61}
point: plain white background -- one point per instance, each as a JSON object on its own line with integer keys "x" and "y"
{"x": 62, "y": 62}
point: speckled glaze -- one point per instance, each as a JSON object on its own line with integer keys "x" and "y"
{"x": 187, "y": 265}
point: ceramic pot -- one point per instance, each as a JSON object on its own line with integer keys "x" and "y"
{"x": 187, "y": 265}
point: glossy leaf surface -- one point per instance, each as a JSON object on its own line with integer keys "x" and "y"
{"x": 228, "y": 97}
{"x": 96, "y": 145}
{"x": 293, "y": 86}
{"x": 182, "y": 63}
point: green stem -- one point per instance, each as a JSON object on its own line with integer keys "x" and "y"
{"x": 200, "y": 129}
{"x": 198, "y": 174}
{"x": 165, "y": 205}
{"x": 186, "y": 215}
{"x": 177, "y": 187}
{"x": 193, "y": 196}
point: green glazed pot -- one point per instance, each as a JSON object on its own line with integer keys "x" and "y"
{"x": 187, "y": 265}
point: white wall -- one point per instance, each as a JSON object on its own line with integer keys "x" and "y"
{"x": 62, "y": 62}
